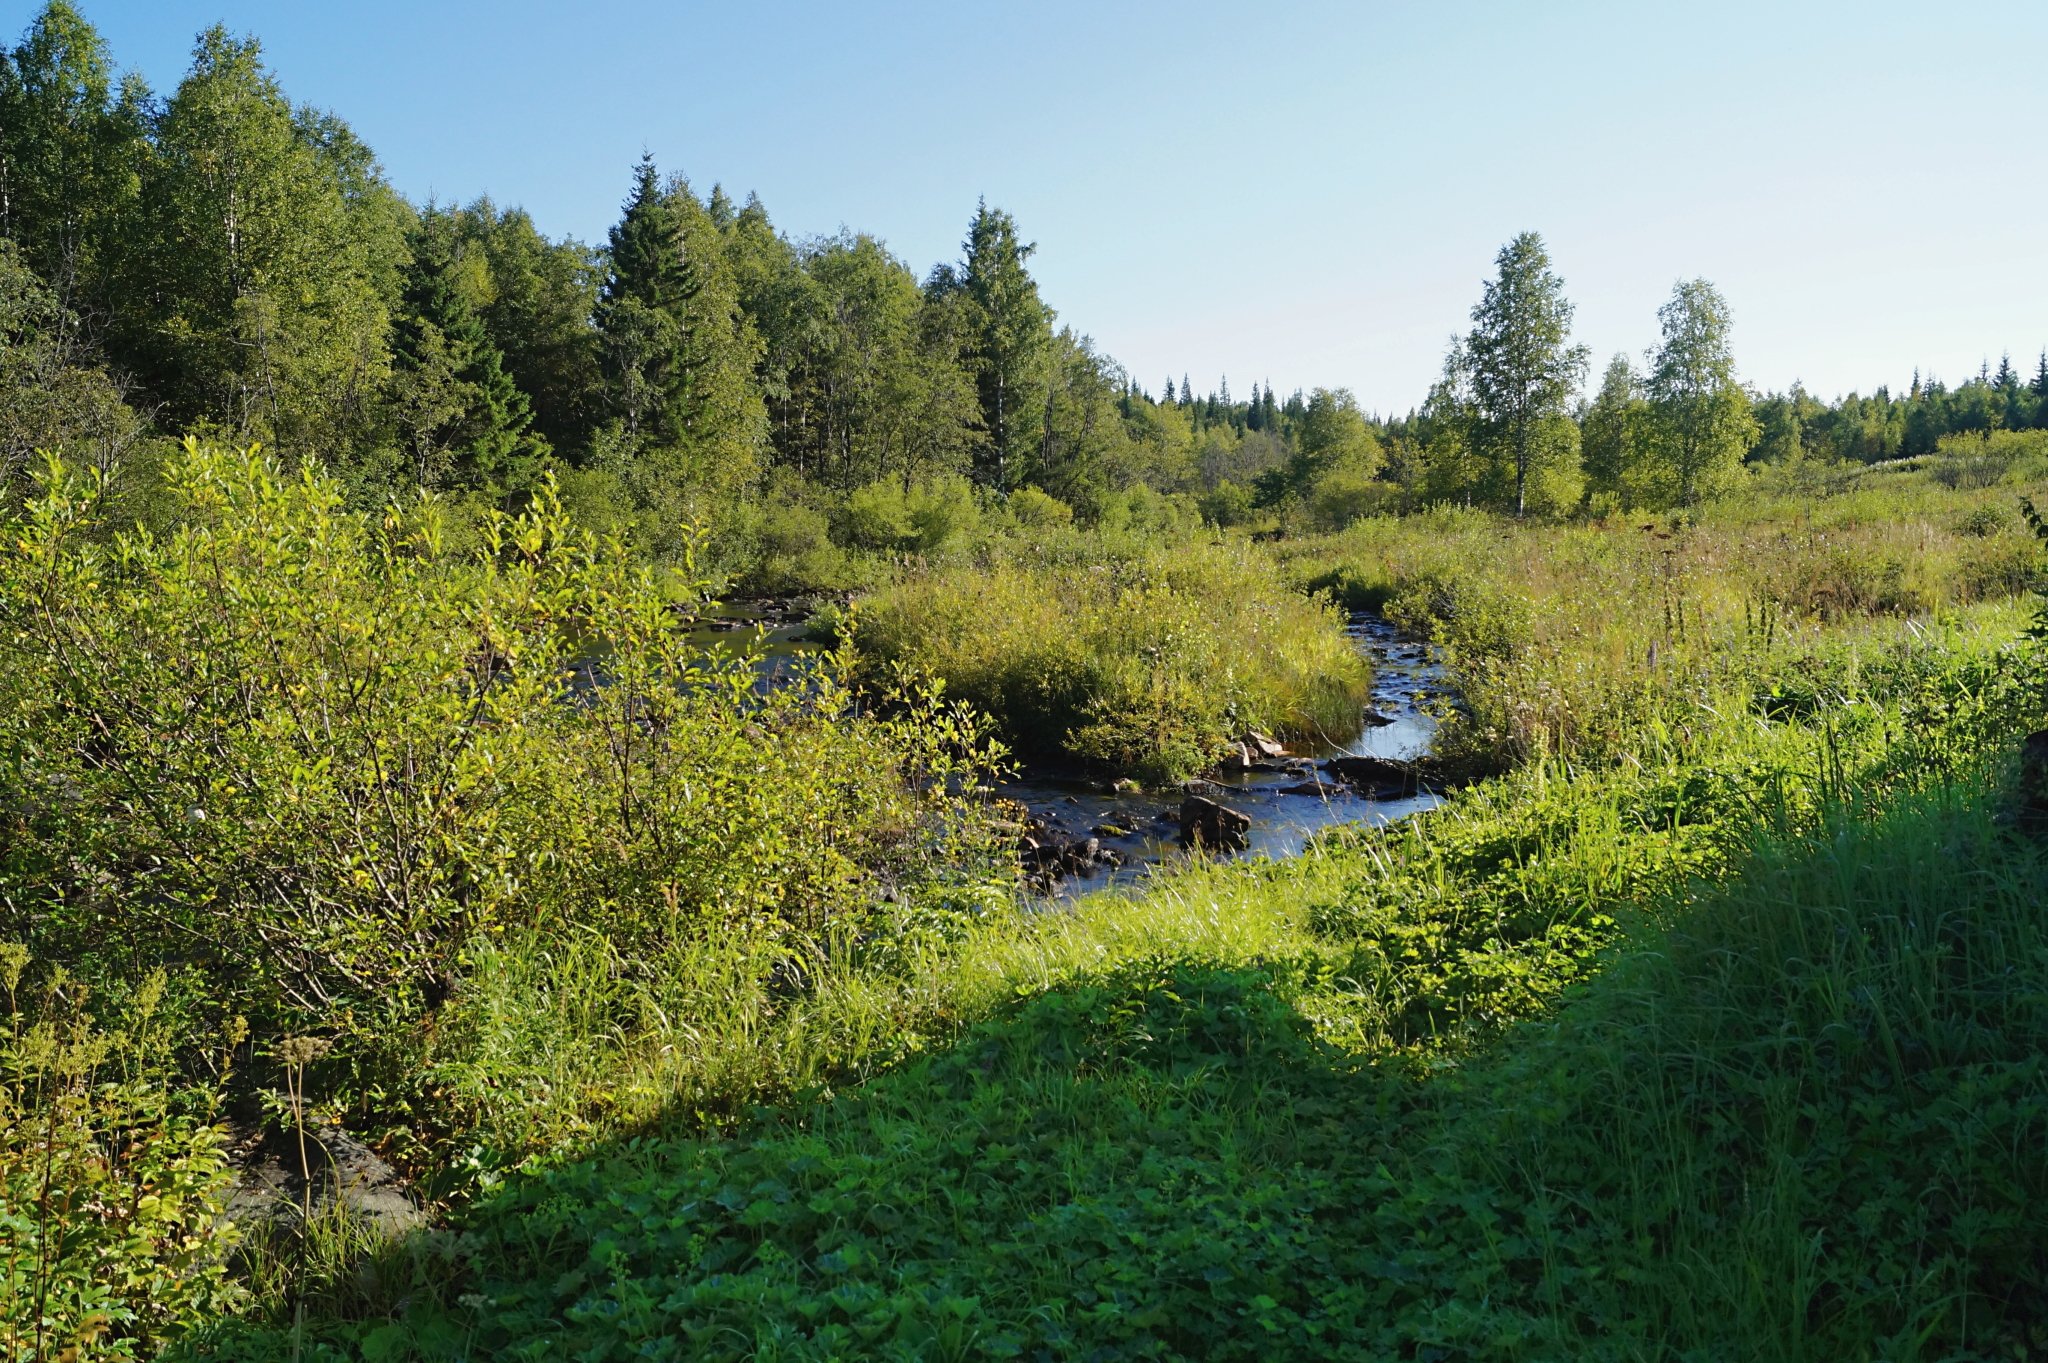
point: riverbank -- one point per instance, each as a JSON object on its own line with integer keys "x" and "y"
{"x": 1286, "y": 796}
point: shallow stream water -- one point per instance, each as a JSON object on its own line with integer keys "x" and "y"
{"x": 1142, "y": 828}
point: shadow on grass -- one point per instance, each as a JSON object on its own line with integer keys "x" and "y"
{"x": 1810, "y": 1124}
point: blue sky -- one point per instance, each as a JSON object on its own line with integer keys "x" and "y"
{"x": 1311, "y": 193}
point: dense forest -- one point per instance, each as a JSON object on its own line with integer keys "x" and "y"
{"x": 220, "y": 261}
{"x": 708, "y": 796}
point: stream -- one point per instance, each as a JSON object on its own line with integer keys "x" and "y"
{"x": 1141, "y": 829}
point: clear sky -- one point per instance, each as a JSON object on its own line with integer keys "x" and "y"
{"x": 1311, "y": 193}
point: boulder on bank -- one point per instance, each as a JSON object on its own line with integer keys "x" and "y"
{"x": 1377, "y": 776}
{"x": 1316, "y": 786}
{"x": 272, "y": 1184}
{"x": 1048, "y": 854}
{"x": 1262, "y": 745}
{"x": 1205, "y": 823}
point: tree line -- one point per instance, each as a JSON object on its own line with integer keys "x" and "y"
{"x": 221, "y": 261}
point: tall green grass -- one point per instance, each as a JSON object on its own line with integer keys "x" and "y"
{"x": 1573, "y": 639}
{"x": 1147, "y": 665}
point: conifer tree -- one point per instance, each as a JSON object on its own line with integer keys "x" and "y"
{"x": 1010, "y": 340}
{"x": 642, "y": 312}
{"x": 468, "y": 422}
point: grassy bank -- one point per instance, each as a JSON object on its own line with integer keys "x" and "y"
{"x": 1574, "y": 639}
{"x": 1145, "y": 663}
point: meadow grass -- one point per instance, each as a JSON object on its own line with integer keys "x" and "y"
{"x": 1145, "y": 664}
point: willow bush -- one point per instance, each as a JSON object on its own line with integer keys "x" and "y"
{"x": 308, "y": 760}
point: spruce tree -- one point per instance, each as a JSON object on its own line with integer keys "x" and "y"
{"x": 465, "y": 409}
{"x": 1009, "y": 342}
{"x": 642, "y": 312}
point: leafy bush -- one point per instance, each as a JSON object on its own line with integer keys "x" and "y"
{"x": 112, "y": 1189}
{"x": 1035, "y": 510}
{"x": 925, "y": 517}
{"x": 317, "y": 763}
{"x": 1226, "y": 505}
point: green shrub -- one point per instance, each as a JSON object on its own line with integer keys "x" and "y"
{"x": 113, "y": 1184}
{"x": 319, "y": 762}
{"x": 1034, "y": 510}
{"x": 939, "y": 511}
{"x": 876, "y": 517}
{"x": 925, "y": 517}
{"x": 1226, "y": 505}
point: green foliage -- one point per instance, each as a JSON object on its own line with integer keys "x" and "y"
{"x": 318, "y": 760}
{"x": 1523, "y": 376}
{"x": 258, "y": 264}
{"x": 1698, "y": 418}
{"x": 112, "y": 1192}
{"x": 1007, "y": 331}
{"x": 463, "y": 422}
{"x": 70, "y": 142}
{"x": 1035, "y": 510}
{"x": 1147, "y": 664}
{"x": 1612, "y": 440}
{"x": 923, "y": 518}
{"x": 1170, "y": 1150}
{"x": 52, "y": 395}
{"x": 1226, "y": 505}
